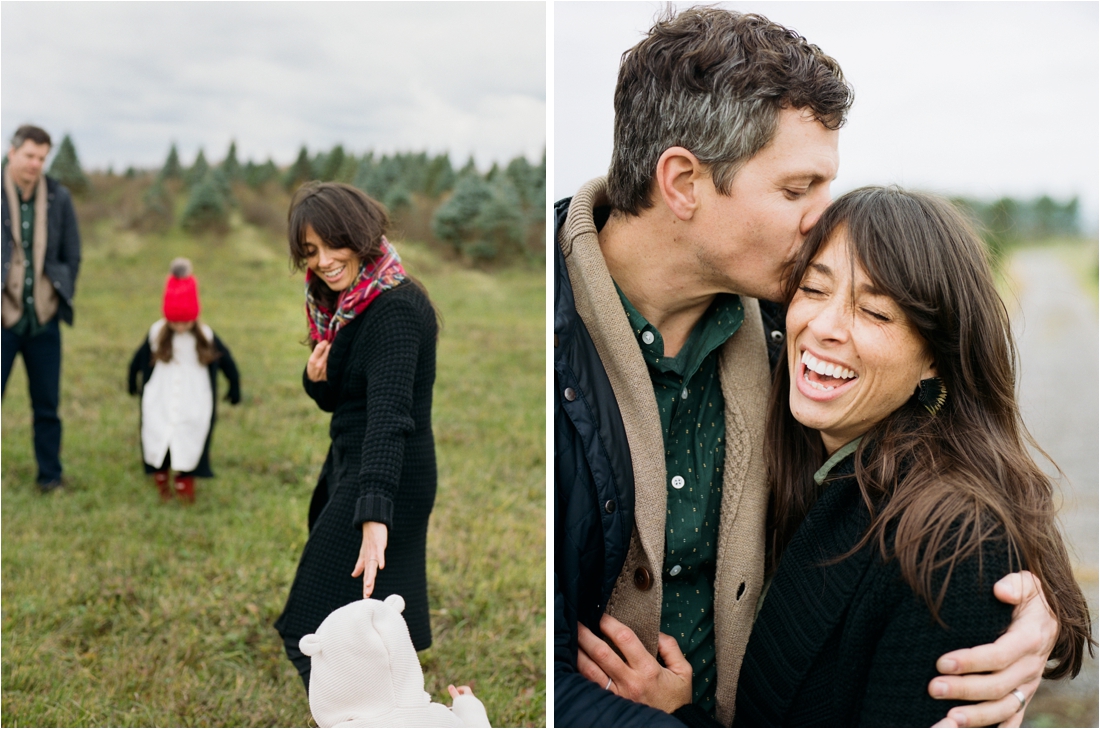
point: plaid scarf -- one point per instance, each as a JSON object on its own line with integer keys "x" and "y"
{"x": 381, "y": 274}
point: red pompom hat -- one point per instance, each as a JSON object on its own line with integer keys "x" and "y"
{"x": 181, "y": 293}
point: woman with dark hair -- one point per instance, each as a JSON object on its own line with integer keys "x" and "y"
{"x": 902, "y": 487}
{"x": 373, "y": 331}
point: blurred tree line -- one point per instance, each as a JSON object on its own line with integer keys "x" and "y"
{"x": 1007, "y": 222}
{"x": 498, "y": 215}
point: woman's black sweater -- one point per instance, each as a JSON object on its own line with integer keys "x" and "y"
{"x": 850, "y": 644}
{"x": 380, "y": 466}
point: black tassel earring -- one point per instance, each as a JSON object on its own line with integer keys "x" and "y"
{"x": 932, "y": 394}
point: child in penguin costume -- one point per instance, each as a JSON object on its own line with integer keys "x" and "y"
{"x": 365, "y": 673}
{"x": 178, "y": 365}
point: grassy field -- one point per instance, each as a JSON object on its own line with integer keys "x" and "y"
{"x": 121, "y": 611}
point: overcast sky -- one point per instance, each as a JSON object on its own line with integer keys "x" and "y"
{"x": 983, "y": 99}
{"x": 128, "y": 78}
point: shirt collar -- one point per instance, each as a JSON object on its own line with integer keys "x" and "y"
{"x": 843, "y": 452}
{"x": 719, "y": 322}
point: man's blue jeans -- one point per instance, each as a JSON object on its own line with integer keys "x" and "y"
{"x": 42, "y": 357}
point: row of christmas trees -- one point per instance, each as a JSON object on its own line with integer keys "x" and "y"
{"x": 481, "y": 215}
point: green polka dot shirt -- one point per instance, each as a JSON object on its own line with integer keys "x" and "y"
{"x": 691, "y": 406}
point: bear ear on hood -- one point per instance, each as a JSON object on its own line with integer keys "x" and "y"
{"x": 396, "y": 602}
{"x": 310, "y": 644}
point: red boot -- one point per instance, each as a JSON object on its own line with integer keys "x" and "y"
{"x": 185, "y": 487}
{"x": 160, "y": 478}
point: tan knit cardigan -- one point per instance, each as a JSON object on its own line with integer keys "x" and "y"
{"x": 745, "y": 379}
{"x": 46, "y": 299}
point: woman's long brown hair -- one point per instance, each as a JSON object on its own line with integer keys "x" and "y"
{"x": 940, "y": 485}
{"x": 162, "y": 349}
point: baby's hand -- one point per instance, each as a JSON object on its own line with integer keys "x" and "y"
{"x": 456, "y": 692}
{"x": 467, "y": 707}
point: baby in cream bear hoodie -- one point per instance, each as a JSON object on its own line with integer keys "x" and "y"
{"x": 365, "y": 673}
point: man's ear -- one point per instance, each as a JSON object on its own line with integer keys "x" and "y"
{"x": 678, "y": 173}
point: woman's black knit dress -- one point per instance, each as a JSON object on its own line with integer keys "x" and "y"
{"x": 380, "y": 467}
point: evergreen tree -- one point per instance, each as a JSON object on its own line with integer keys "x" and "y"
{"x": 256, "y": 176}
{"x": 172, "y": 169}
{"x": 540, "y": 189}
{"x": 66, "y": 168}
{"x": 440, "y": 176}
{"x": 347, "y": 170}
{"x": 317, "y": 165}
{"x": 221, "y": 180}
{"x": 158, "y": 207}
{"x": 230, "y": 166}
{"x": 363, "y": 172}
{"x": 207, "y": 208}
{"x": 499, "y": 223}
{"x": 198, "y": 171}
{"x": 469, "y": 168}
{"x": 333, "y": 161}
{"x": 378, "y": 178}
{"x": 299, "y": 172}
{"x": 454, "y": 220}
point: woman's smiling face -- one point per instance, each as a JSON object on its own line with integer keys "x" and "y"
{"x": 854, "y": 357}
{"x": 337, "y": 267}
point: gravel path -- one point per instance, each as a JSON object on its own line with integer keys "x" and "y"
{"x": 1057, "y": 333}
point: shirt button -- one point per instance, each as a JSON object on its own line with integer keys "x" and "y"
{"x": 777, "y": 336}
{"x": 26, "y": 224}
{"x": 684, "y": 394}
{"x": 29, "y": 281}
{"x": 570, "y": 394}
{"x": 647, "y": 337}
{"x": 677, "y": 482}
{"x": 30, "y": 299}
{"x": 675, "y": 570}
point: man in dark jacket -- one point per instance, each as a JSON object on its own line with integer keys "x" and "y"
{"x": 725, "y": 146}
{"x": 41, "y": 260}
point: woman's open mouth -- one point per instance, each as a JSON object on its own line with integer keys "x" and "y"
{"x": 820, "y": 379}
{"x": 334, "y": 274}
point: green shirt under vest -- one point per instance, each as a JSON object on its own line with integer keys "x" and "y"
{"x": 692, "y": 411}
{"x": 28, "y": 325}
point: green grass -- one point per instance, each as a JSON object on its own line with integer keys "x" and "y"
{"x": 121, "y": 611}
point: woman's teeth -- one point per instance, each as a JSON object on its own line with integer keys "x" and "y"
{"x": 826, "y": 369}
{"x": 334, "y": 274}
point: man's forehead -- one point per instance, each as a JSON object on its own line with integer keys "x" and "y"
{"x": 29, "y": 146}
{"x": 802, "y": 148}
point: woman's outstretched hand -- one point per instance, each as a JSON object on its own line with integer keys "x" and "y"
{"x": 317, "y": 366}
{"x": 372, "y": 554}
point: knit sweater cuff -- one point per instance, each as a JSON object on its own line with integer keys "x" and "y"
{"x": 373, "y": 507}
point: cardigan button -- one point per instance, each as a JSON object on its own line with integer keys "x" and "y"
{"x": 642, "y": 579}
{"x": 570, "y": 394}
{"x": 609, "y": 507}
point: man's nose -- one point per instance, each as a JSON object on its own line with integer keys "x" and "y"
{"x": 820, "y": 202}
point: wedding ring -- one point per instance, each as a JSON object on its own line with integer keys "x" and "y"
{"x": 1020, "y": 697}
{"x": 608, "y": 686}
